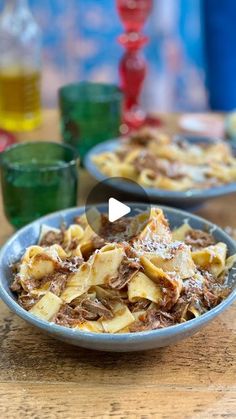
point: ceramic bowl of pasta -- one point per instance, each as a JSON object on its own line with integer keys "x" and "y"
{"x": 182, "y": 171}
{"x": 116, "y": 294}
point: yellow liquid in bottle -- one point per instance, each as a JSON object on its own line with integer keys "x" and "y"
{"x": 20, "y": 105}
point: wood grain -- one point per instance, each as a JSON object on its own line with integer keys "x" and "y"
{"x": 35, "y": 400}
{"x": 43, "y": 378}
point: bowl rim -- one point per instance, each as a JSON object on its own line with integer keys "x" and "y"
{"x": 66, "y": 332}
{"x": 153, "y": 193}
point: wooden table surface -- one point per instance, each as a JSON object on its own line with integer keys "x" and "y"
{"x": 43, "y": 378}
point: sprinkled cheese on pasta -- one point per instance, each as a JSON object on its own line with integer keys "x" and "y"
{"x": 100, "y": 284}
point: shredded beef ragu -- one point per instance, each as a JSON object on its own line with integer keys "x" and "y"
{"x": 146, "y": 161}
{"x": 71, "y": 265}
{"x": 203, "y": 296}
{"x": 27, "y": 301}
{"x": 97, "y": 308}
{"x": 142, "y": 137}
{"x": 87, "y": 309}
{"x": 113, "y": 231}
{"x": 51, "y": 237}
{"x": 199, "y": 238}
{"x": 213, "y": 293}
{"x": 153, "y": 319}
{"x": 126, "y": 271}
{"x": 142, "y": 304}
{"x": 16, "y": 285}
{"x": 68, "y": 317}
{"x": 159, "y": 166}
{"x": 58, "y": 283}
{"x": 109, "y": 297}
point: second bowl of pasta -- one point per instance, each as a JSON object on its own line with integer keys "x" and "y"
{"x": 184, "y": 171}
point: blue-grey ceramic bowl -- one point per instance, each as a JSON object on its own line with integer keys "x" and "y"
{"x": 123, "y": 342}
{"x": 183, "y": 199}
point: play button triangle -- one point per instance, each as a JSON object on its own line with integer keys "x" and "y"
{"x": 117, "y": 210}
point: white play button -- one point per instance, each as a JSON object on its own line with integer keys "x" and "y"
{"x": 116, "y": 223}
{"x": 117, "y": 210}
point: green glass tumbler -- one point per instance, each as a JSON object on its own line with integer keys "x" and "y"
{"x": 90, "y": 114}
{"x": 38, "y": 178}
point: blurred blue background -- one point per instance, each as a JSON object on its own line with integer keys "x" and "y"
{"x": 191, "y": 54}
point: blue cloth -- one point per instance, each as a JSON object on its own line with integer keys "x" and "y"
{"x": 219, "y": 18}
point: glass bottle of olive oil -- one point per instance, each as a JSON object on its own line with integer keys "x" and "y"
{"x": 20, "y": 67}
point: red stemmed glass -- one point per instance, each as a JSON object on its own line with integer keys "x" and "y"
{"x": 133, "y": 66}
{"x": 133, "y": 13}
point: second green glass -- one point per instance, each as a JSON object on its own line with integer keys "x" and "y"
{"x": 90, "y": 113}
{"x": 38, "y": 178}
